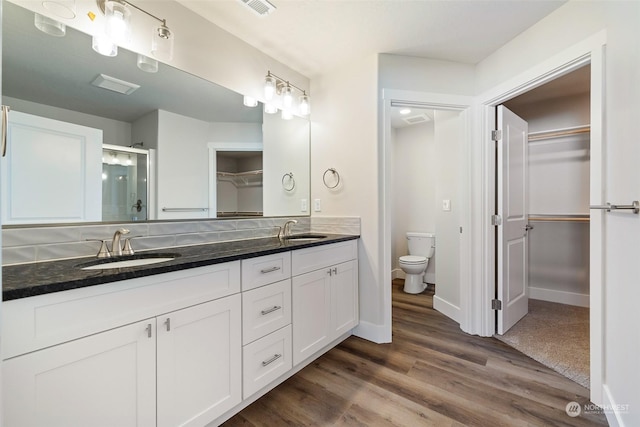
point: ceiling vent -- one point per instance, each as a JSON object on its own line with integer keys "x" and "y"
{"x": 420, "y": 118}
{"x": 115, "y": 85}
{"x": 260, "y": 7}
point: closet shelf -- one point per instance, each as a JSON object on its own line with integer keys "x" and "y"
{"x": 242, "y": 179}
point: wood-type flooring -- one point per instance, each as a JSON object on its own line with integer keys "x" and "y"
{"x": 433, "y": 374}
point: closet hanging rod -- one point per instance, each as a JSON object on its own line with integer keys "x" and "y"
{"x": 558, "y": 133}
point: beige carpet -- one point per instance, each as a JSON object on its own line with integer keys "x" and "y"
{"x": 555, "y": 335}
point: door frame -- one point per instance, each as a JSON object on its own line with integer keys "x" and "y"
{"x": 436, "y": 101}
{"x": 589, "y": 51}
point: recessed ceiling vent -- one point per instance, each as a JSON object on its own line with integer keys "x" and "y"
{"x": 420, "y": 118}
{"x": 115, "y": 85}
{"x": 260, "y": 7}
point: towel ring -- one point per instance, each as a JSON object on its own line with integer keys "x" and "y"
{"x": 288, "y": 177}
{"x": 334, "y": 173}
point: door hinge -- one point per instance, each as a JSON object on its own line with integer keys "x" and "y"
{"x": 496, "y": 135}
{"x": 496, "y": 304}
{"x": 496, "y": 220}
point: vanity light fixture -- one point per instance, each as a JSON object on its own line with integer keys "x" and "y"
{"x": 101, "y": 44}
{"x": 250, "y": 101}
{"x": 286, "y": 115}
{"x": 146, "y": 64}
{"x": 274, "y": 85}
{"x": 49, "y": 26}
{"x": 118, "y": 27}
{"x": 270, "y": 109}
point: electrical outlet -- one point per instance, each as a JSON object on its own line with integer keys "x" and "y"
{"x": 317, "y": 207}
{"x": 446, "y": 205}
{"x": 303, "y": 205}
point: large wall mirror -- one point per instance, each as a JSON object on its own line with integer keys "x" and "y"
{"x": 194, "y": 133}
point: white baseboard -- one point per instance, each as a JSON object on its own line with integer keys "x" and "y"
{"x": 611, "y": 410}
{"x": 379, "y": 334}
{"x": 562, "y": 297}
{"x": 399, "y": 274}
{"x": 446, "y": 308}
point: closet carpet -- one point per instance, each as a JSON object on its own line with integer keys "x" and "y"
{"x": 556, "y": 335}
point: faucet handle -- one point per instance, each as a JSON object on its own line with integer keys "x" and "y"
{"x": 127, "y": 248}
{"x": 104, "y": 249}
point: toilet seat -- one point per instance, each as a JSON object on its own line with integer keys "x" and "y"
{"x": 412, "y": 259}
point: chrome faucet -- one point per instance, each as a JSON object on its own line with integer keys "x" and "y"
{"x": 116, "y": 247}
{"x": 286, "y": 229}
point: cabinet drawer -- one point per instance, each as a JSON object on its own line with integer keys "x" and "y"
{"x": 265, "y": 309}
{"x": 265, "y": 360}
{"x": 265, "y": 269}
{"x": 315, "y": 258}
{"x": 33, "y": 323}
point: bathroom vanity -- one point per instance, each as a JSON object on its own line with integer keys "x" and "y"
{"x": 190, "y": 341}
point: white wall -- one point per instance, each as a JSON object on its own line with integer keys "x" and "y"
{"x": 114, "y": 132}
{"x": 183, "y": 165}
{"x": 413, "y": 189}
{"x": 448, "y": 135}
{"x": 285, "y": 150}
{"x": 570, "y": 24}
{"x": 235, "y": 132}
{"x": 344, "y": 136}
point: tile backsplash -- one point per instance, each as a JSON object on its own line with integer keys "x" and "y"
{"x": 48, "y": 243}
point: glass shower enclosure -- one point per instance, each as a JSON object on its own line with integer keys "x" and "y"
{"x": 125, "y": 183}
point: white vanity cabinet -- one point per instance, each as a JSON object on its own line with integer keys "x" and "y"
{"x": 266, "y": 320}
{"x": 182, "y": 366}
{"x": 325, "y": 296}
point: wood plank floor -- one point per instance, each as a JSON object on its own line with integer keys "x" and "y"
{"x": 432, "y": 374}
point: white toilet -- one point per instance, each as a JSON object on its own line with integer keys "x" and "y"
{"x": 421, "y": 249}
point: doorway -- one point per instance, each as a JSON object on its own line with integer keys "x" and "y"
{"x": 556, "y": 329}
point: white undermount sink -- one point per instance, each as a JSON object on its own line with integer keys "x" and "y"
{"x": 139, "y": 260}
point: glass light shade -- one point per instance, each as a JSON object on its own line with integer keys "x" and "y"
{"x": 269, "y": 87}
{"x": 118, "y": 21}
{"x": 250, "y": 101}
{"x": 270, "y": 109}
{"x": 287, "y": 97}
{"x": 162, "y": 42}
{"x": 146, "y": 64}
{"x": 62, "y": 8}
{"x": 49, "y": 26}
{"x": 305, "y": 108}
{"x": 286, "y": 115}
{"x": 104, "y": 46}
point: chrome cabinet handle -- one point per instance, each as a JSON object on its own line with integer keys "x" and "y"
{"x": 269, "y": 270}
{"x": 270, "y": 310}
{"x": 148, "y": 329}
{"x": 272, "y": 359}
{"x": 5, "y": 124}
{"x": 168, "y": 324}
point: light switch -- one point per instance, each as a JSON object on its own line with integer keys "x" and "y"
{"x": 316, "y": 205}
{"x": 446, "y": 205}
{"x": 303, "y": 205}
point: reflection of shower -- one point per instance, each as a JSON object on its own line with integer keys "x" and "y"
{"x": 141, "y": 144}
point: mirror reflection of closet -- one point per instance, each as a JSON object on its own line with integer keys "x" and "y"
{"x": 239, "y": 183}
{"x": 124, "y": 183}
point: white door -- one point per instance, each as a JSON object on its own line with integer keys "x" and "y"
{"x": 512, "y": 200}
{"x": 103, "y": 380}
{"x": 199, "y": 362}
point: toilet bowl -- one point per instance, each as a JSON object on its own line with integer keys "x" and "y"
{"x": 421, "y": 249}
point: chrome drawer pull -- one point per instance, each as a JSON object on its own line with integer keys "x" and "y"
{"x": 272, "y": 359}
{"x": 270, "y": 310}
{"x": 269, "y": 270}
{"x": 148, "y": 329}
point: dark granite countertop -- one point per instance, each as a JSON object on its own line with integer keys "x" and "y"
{"x": 26, "y": 280}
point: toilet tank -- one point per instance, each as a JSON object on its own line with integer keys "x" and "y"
{"x": 421, "y": 244}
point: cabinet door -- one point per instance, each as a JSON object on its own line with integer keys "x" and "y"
{"x": 311, "y": 313}
{"x": 344, "y": 298}
{"x": 199, "y": 362}
{"x": 107, "y": 379}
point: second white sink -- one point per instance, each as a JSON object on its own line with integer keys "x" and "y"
{"x": 131, "y": 262}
